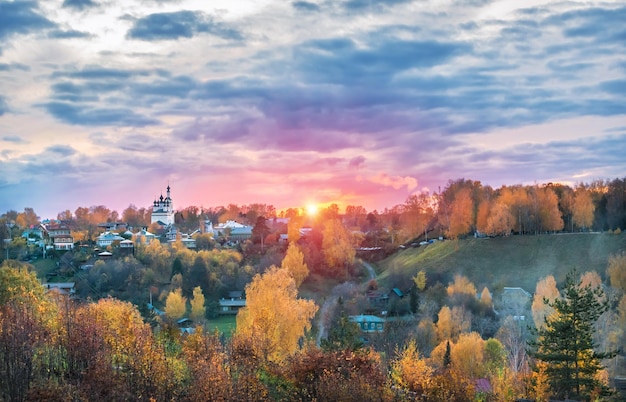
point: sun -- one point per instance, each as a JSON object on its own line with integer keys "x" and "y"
{"x": 312, "y": 209}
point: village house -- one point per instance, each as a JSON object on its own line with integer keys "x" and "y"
{"x": 107, "y": 239}
{"x": 60, "y": 236}
{"x": 369, "y": 323}
{"x": 232, "y": 304}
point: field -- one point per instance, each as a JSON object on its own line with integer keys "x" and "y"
{"x": 507, "y": 261}
{"x": 224, "y": 324}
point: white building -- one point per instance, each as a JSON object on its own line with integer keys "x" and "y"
{"x": 163, "y": 210}
{"x": 107, "y": 238}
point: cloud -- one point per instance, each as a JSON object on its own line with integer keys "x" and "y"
{"x": 75, "y": 115}
{"x": 70, "y": 34}
{"x": 180, "y": 24}
{"x": 21, "y": 17}
{"x": 371, "y": 5}
{"x": 79, "y": 5}
{"x": 61, "y": 150}
{"x": 356, "y": 161}
{"x": 395, "y": 182}
{"x": 13, "y": 66}
{"x": 4, "y": 107}
{"x": 305, "y": 6}
{"x": 14, "y": 139}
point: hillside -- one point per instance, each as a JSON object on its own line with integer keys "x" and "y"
{"x": 505, "y": 261}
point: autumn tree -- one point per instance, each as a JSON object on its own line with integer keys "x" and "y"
{"x": 175, "y": 305}
{"x": 485, "y": 297}
{"x": 500, "y": 221}
{"x": 546, "y": 210}
{"x": 197, "y": 305}
{"x": 410, "y": 371}
{"x": 546, "y": 291}
{"x": 583, "y": 208}
{"x": 273, "y": 314}
{"x": 337, "y": 247}
{"x": 420, "y": 280}
{"x": 462, "y": 290}
{"x": 294, "y": 263}
{"x": 461, "y": 214}
{"x": 616, "y": 271}
{"x": 293, "y": 228}
{"x": 26, "y": 317}
{"x": 566, "y": 341}
{"x": 209, "y": 368}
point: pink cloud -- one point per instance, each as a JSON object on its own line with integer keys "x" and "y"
{"x": 396, "y": 182}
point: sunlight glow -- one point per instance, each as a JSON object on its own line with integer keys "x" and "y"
{"x": 312, "y": 209}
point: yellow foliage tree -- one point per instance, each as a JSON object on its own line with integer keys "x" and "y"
{"x": 617, "y": 271}
{"x": 485, "y": 297}
{"x": 461, "y": 289}
{"x": 500, "y": 220}
{"x": 175, "y": 305}
{"x": 444, "y": 324}
{"x": 420, "y": 280}
{"x": 583, "y": 208}
{"x": 468, "y": 355}
{"x": 294, "y": 263}
{"x": 337, "y": 246}
{"x": 409, "y": 371}
{"x": 274, "y": 317}
{"x": 546, "y": 288}
{"x": 197, "y": 305}
{"x": 293, "y": 229}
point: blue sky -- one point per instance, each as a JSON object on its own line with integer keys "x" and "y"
{"x": 357, "y": 102}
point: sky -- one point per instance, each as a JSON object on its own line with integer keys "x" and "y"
{"x": 353, "y": 102}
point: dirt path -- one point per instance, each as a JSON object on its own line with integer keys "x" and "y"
{"x": 330, "y": 303}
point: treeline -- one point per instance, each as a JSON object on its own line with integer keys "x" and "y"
{"x": 463, "y": 207}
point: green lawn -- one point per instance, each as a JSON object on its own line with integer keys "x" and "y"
{"x": 507, "y": 261}
{"x": 44, "y": 266}
{"x": 224, "y": 324}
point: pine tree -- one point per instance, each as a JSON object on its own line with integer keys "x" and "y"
{"x": 447, "y": 359}
{"x": 565, "y": 343}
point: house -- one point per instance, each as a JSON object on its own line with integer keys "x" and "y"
{"x": 186, "y": 326}
{"x": 369, "y": 323}
{"x": 111, "y": 226}
{"x": 60, "y": 236}
{"x": 143, "y": 236}
{"x": 63, "y": 288}
{"x": 232, "y": 229}
{"x": 107, "y": 238}
{"x": 515, "y": 301}
{"x": 232, "y": 304}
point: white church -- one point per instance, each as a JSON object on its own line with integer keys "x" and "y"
{"x": 163, "y": 210}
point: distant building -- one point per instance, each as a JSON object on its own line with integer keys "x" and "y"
{"x": 369, "y": 323}
{"x": 163, "y": 210}
{"x": 64, "y": 288}
{"x": 232, "y": 304}
{"x": 107, "y": 238}
{"x": 60, "y": 236}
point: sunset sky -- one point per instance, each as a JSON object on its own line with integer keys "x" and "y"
{"x": 361, "y": 102}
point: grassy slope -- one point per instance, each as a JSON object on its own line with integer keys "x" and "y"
{"x": 512, "y": 261}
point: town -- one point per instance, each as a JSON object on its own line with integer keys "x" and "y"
{"x": 415, "y": 288}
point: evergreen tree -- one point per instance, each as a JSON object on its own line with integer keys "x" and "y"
{"x": 447, "y": 359}
{"x": 414, "y": 299}
{"x": 345, "y": 335}
{"x": 565, "y": 343}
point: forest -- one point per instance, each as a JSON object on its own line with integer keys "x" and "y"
{"x": 445, "y": 340}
